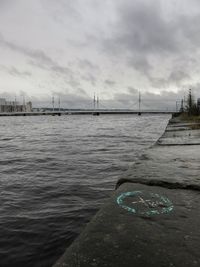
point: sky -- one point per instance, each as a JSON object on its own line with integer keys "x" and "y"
{"x": 70, "y": 49}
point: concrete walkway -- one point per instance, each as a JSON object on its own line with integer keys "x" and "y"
{"x": 152, "y": 219}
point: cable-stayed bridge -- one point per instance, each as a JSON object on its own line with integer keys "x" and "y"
{"x": 86, "y": 112}
{"x": 94, "y": 107}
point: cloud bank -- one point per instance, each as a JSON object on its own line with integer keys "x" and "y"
{"x": 113, "y": 47}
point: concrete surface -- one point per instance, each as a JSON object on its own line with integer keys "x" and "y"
{"x": 152, "y": 219}
{"x": 118, "y": 237}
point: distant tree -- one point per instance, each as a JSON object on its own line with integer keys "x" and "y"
{"x": 191, "y": 107}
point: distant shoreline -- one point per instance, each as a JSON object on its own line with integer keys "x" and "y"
{"x": 81, "y": 112}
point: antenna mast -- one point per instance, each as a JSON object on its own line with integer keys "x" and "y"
{"x": 59, "y": 103}
{"x": 139, "y": 103}
{"x": 24, "y": 103}
{"x": 94, "y": 101}
{"x": 15, "y": 103}
{"x": 97, "y": 102}
{"x": 53, "y": 102}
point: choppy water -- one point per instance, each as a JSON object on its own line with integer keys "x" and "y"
{"x": 55, "y": 172}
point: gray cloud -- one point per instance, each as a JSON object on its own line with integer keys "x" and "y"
{"x": 38, "y": 57}
{"x": 90, "y": 78}
{"x": 114, "y": 46}
{"x": 176, "y": 77}
{"x": 87, "y": 64}
{"x": 110, "y": 83}
{"x": 143, "y": 29}
{"x": 140, "y": 64}
{"x": 4, "y": 3}
{"x": 132, "y": 90}
{"x": 147, "y": 38}
{"x": 15, "y": 72}
{"x": 61, "y": 9}
{"x": 78, "y": 99}
{"x": 34, "y": 54}
{"x": 90, "y": 70}
{"x": 73, "y": 82}
{"x": 166, "y": 100}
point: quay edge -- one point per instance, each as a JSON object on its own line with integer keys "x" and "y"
{"x": 152, "y": 218}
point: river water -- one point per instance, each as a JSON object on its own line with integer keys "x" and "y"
{"x": 56, "y": 172}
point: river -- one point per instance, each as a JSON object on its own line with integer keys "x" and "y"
{"x": 56, "y": 172}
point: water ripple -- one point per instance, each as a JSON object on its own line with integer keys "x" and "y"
{"x": 55, "y": 174}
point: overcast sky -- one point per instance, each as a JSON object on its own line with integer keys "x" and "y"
{"x": 71, "y": 48}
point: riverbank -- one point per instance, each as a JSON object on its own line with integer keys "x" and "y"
{"x": 152, "y": 219}
{"x": 189, "y": 118}
{"x": 83, "y": 112}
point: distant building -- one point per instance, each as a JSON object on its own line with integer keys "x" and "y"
{"x": 28, "y": 106}
{"x": 2, "y": 101}
{"x": 13, "y": 106}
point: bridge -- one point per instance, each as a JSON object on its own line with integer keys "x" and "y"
{"x": 86, "y": 112}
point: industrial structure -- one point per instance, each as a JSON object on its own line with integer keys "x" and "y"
{"x": 14, "y": 106}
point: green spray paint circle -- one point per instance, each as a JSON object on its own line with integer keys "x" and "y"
{"x": 144, "y": 203}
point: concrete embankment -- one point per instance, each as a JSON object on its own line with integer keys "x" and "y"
{"x": 152, "y": 219}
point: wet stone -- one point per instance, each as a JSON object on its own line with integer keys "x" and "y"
{"x": 152, "y": 219}
{"x": 149, "y": 237}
